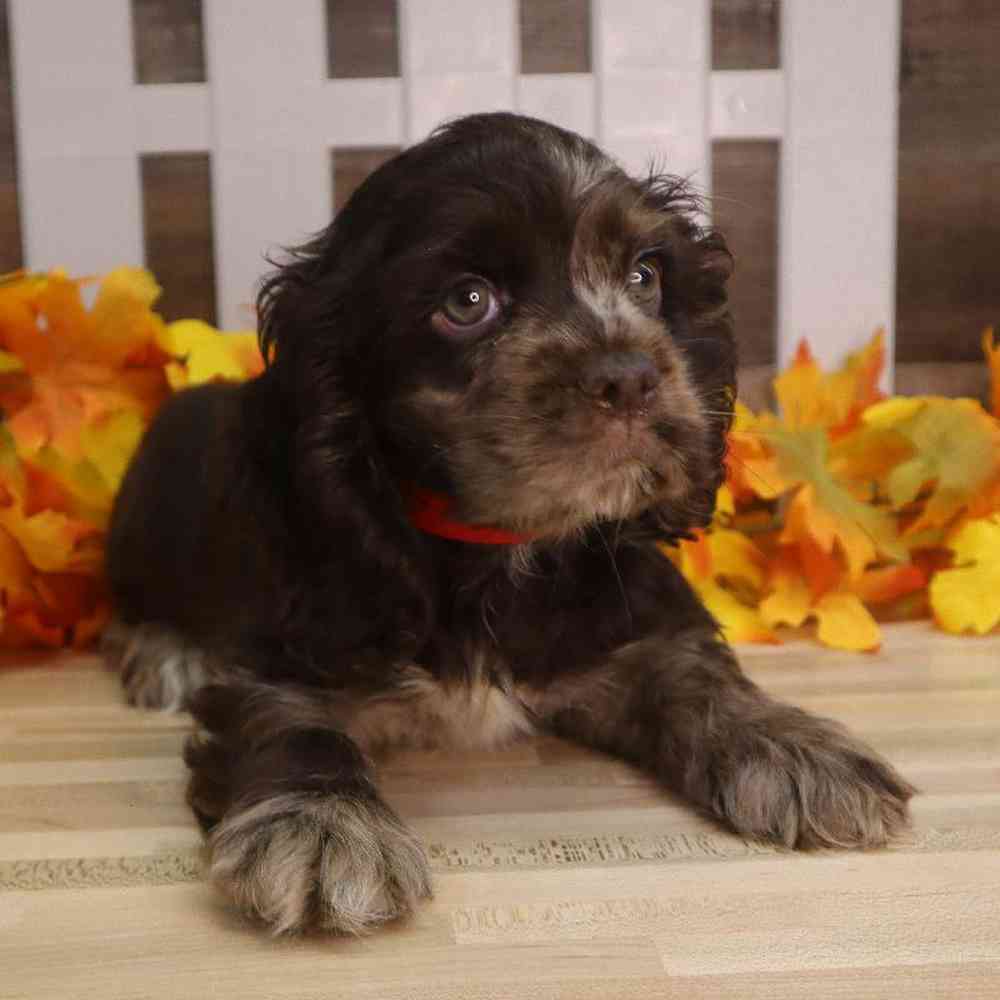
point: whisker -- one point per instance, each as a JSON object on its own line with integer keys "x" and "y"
{"x": 753, "y": 472}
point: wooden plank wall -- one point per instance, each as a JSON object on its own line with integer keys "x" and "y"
{"x": 949, "y": 158}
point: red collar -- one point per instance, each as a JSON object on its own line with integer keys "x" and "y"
{"x": 430, "y": 512}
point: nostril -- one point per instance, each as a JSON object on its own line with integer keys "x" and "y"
{"x": 622, "y": 381}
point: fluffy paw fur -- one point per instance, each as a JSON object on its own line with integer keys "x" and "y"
{"x": 805, "y": 782}
{"x": 158, "y": 669}
{"x": 299, "y": 862}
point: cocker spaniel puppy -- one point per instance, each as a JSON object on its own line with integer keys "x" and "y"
{"x": 494, "y": 383}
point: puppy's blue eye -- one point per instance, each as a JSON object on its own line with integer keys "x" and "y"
{"x": 470, "y": 307}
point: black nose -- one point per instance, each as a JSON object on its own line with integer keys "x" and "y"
{"x": 623, "y": 381}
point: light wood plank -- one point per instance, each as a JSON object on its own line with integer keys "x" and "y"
{"x": 559, "y": 873}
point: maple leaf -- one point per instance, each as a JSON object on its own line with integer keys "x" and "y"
{"x": 825, "y": 511}
{"x": 751, "y": 465}
{"x": 726, "y": 570}
{"x": 809, "y": 398}
{"x": 50, "y": 592}
{"x": 69, "y": 356}
{"x": 955, "y": 451}
{"x": 203, "y": 354}
{"x": 842, "y": 620}
{"x": 967, "y": 597}
{"x": 51, "y": 540}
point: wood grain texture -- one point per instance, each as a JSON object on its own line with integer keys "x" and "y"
{"x": 362, "y": 38}
{"x": 351, "y": 166}
{"x": 948, "y": 285}
{"x": 746, "y": 34}
{"x": 555, "y": 36}
{"x": 11, "y": 255}
{"x": 168, "y": 41}
{"x": 177, "y": 227}
{"x": 745, "y": 208}
{"x": 559, "y": 873}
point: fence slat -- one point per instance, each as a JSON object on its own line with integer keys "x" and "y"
{"x": 652, "y": 65}
{"x": 567, "y": 99}
{"x": 456, "y": 59}
{"x": 748, "y": 104}
{"x": 270, "y": 176}
{"x": 78, "y": 174}
{"x": 172, "y": 117}
{"x": 837, "y": 246}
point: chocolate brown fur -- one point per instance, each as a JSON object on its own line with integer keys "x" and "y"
{"x": 267, "y": 576}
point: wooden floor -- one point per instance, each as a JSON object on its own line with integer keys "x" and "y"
{"x": 559, "y": 874}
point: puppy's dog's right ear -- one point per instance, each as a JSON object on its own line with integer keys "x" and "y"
{"x": 320, "y": 333}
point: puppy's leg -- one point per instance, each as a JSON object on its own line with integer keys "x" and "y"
{"x": 297, "y": 834}
{"x": 158, "y": 668}
{"x": 681, "y": 708}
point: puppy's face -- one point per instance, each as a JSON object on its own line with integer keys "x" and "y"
{"x": 552, "y": 340}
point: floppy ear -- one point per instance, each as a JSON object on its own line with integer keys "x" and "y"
{"x": 697, "y": 308}
{"x": 319, "y": 333}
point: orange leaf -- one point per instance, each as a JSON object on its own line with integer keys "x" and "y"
{"x": 889, "y": 583}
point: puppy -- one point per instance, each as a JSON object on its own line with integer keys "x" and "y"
{"x": 494, "y": 383}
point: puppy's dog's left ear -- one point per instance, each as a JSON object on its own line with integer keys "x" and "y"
{"x": 318, "y": 323}
{"x": 696, "y": 308}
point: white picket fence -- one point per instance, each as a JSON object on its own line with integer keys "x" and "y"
{"x": 269, "y": 117}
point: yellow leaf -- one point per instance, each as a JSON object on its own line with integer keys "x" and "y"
{"x": 824, "y": 509}
{"x": 122, "y": 316}
{"x": 739, "y": 622}
{"x": 967, "y": 598}
{"x": 751, "y": 465}
{"x": 735, "y": 558}
{"x": 203, "y": 353}
{"x": 789, "y": 603}
{"x": 956, "y": 449}
{"x": 725, "y": 506}
{"x": 10, "y": 363}
{"x": 845, "y": 623}
{"x": 109, "y": 445}
{"x": 52, "y": 541}
{"x": 809, "y": 398}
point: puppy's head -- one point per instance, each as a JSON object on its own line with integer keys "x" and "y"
{"x": 502, "y": 314}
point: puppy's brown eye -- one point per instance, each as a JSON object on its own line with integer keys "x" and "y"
{"x": 470, "y": 307}
{"x": 644, "y": 284}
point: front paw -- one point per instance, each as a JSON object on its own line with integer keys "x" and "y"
{"x": 806, "y": 782}
{"x": 299, "y": 862}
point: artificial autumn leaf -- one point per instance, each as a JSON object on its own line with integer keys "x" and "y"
{"x": 203, "y": 354}
{"x": 739, "y": 622}
{"x": 886, "y": 584}
{"x": 845, "y": 623}
{"x": 825, "y": 511}
{"x": 790, "y": 598}
{"x": 109, "y": 445}
{"x": 956, "y": 449}
{"x": 122, "y": 316}
{"x": 751, "y": 465}
{"x": 842, "y": 620}
{"x": 809, "y": 398}
{"x": 70, "y": 354}
{"x": 967, "y": 597}
{"x": 78, "y": 387}
{"x": 10, "y": 363}
{"x": 713, "y": 560}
